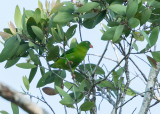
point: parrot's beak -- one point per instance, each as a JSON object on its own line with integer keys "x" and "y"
{"x": 91, "y": 46}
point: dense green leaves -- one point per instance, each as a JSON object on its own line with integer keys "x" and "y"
{"x": 45, "y": 31}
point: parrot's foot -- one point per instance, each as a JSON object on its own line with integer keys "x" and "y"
{"x": 70, "y": 62}
{"x": 73, "y": 76}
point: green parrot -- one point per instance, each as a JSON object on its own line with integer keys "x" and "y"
{"x": 74, "y": 56}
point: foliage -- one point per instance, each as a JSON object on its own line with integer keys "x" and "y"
{"x": 46, "y": 33}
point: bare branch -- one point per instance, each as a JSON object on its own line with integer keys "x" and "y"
{"x": 149, "y": 87}
{"x": 20, "y": 100}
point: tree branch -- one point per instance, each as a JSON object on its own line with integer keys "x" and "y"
{"x": 20, "y": 100}
{"x": 149, "y": 87}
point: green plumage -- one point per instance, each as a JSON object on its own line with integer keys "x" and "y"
{"x": 74, "y": 55}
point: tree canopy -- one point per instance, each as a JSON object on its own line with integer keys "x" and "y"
{"x": 130, "y": 27}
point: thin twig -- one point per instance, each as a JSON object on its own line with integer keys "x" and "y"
{"x": 103, "y": 57}
{"x": 139, "y": 70}
{"x": 46, "y": 101}
{"x": 100, "y": 59}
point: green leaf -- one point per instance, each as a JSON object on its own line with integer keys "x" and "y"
{"x": 34, "y": 57}
{"x": 87, "y": 106}
{"x": 32, "y": 74}
{"x": 87, "y": 7}
{"x": 10, "y": 48}
{"x": 31, "y": 22}
{"x": 156, "y": 55}
{"x": 24, "y": 25}
{"x": 70, "y": 32}
{"x": 15, "y": 108}
{"x": 37, "y": 15}
{"x": 145, "y": 36}
{"x": 11, "y": 62}
{"x": 135, "y": 46}
{"x": 68, "y": 85}
{"x": 67, "y": 100}
{"x": 115, "y": 80}
{"x": 68, "y": 7}
{"x": 22, "y": 50}
{"x": 129, "y": 92}
{"x": 3, "y": 112}
{"x": 47, "y": 78}
{"x": 60, "y": 32}
{"x": 29, "y": 13}
{"x": 91, "y": 67}
{"x": 138, "y": 36}
{"x": 107, "y": 84}
{"x": 53, "y": 53}
{"x": 152, "y": 62}
{"x": 92, "y": 22}
{"x": 73, "y": 43}
{"x": 38, "y": 32}
{"x": 154, "y": 36}
{"x": 145, "y": 16}
{"x": 26, "y": 82}
{"x": 40, "y": 5}
{"x": 120, "y": 82}
{"x": 132, "y": 7}
{"x": 108, "y": 35}
{"x": 55, "y": 35}
{"x": 118, "y": 33}
{"x": 26, "y": 65}
{"x": 63, "y": 17}
{"x": 88, "y": 15}
{"x": 79, "y": 77}
{"x": 18, "y": 17}
{"x": 118, "y": 8}
{"x": 133, "y": 22}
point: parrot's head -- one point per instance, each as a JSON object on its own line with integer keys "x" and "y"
{"x": 86, "y": 44}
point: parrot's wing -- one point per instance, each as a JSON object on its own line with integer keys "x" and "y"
{"x": 69, "y": 52}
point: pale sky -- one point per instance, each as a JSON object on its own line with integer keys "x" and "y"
{"x": 13, "y": 76}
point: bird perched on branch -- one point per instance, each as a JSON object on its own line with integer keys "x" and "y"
{"x": 73, "y": 57}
